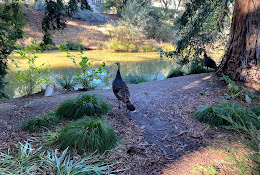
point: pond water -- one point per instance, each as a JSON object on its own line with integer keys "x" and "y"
{"x": 135, "y": 67}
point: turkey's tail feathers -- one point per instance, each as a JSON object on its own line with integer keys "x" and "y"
{"x": 130, "y": 106}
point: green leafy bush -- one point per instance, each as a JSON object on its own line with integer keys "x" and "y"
{"x": 196, "y": 66}
{"x": 35, "y": 76}
{"x": 256, "y": 110}
{"x": 146, "y": 48}
{"x": 87, "y": 135}
{"x": 66, "y": 80}
{"x": 85, "y": 73}
{"x": 39, "y": 122}
{"x": 160, "y": 25}
{"x": 83, "y": 105}
{"x": 175, "y": 73}
{"x": 120, "y": 46}
{"x": 27, "y": 160}
{"x": 75, "y": 45}
{"x": 236, "y": 91}
{"x": 136, "y": 79}
{"x": 12, "y": 14}
{"x": 228, "y": 115}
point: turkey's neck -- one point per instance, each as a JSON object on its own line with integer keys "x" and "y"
{"x": 118, "y": 75}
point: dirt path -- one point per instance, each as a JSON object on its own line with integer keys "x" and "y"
{"x": 164, "y": 112}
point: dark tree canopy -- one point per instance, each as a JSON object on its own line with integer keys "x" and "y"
{"x": 53, "y": 20}
{"x": 203, "y": 22}
{"x": 11, "y": 24}
{"x": 55, "y": 13}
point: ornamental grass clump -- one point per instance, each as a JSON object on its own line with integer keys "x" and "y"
{"x": 228, "y": 115}
{"x": 36, "y": 123}
{"x": 87, "y": 136}
{"x": 83, "y": 105}
{"x": 28, "y": 160}
{"x": 256, "y": 110}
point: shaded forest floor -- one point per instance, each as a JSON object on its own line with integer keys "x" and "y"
{"x": 160, "y": 137}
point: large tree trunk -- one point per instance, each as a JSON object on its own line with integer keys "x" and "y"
{"x": 242, "y": 57}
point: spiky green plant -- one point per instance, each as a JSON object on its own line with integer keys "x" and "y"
{"x": 256, "y": 110}
{"x": 83, "y": 105}
{"x": 87, "y": 135}
{"x": 65, "y": 164}
{"x": 39, "y": 122}
{"x": 236, "y": 117}
{"x": 66, "y": 80}
{"x": 228, "y": 114}
{"x": 37, "y": 161}
{"x": 22, "y": 162}
{"x": 136, "y": 79}
{"x": 175, "y": 73}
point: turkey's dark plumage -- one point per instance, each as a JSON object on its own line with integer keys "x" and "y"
{"x": 121, "y": 91}
{"x": 208, "y": 62}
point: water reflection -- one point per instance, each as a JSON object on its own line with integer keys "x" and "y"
{"x": 132, "y": 73}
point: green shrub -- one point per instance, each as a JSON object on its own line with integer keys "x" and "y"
{"x": 86, "y": 104}
{"x": 120, "y": 46}
{"x": 75, "y": 45}
{"x": 35, "y": 76}
{"x": 229, "y": 115}
{"x": 160, "y": 25}
{"x": 146, "y": 48}
{"x": 136, "y": 79}
{"x": 66, "y": 80}
{"x": 87, "y": 135}
{"x": 256, "y": 110}
{"x": 39, "y": 122}
{"x": 197, "y": 66}
{"x": 168, "y": 47}
{"x": 27, "y": 160}
{"x": 175, "y": 73}
{"x": 236, "y": 91}
{"x": 85, "y": 73}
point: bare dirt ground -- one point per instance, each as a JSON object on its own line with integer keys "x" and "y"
{"x": 91, "y": 34}
{"x": 160, "y": 132}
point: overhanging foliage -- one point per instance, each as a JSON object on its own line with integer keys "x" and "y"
{"x": 11, "y": 23}
{"x": 203, "y": 22}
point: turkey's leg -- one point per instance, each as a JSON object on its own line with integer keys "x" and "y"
{"x": 119, "y": 104}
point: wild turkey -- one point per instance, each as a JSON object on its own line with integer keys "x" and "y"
{"x": 121, "y": 91}
{"x": 208, "y": 62}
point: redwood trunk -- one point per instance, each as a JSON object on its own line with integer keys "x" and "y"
{"x": 242, "y": 56}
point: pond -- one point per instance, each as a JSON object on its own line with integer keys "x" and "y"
{"x": 135, "y": 67}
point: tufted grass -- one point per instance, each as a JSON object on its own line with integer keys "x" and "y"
{"x": 175, "y": 73}
{"x": 256, "y": 110}
{"x": 83, "y": 105}
{"x": 36, "y": 123}
{"x": 229, "y": 115}
{"x": 87, "y": 135}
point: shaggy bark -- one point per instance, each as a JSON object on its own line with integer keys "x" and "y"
{"x": 242, "y": 56}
